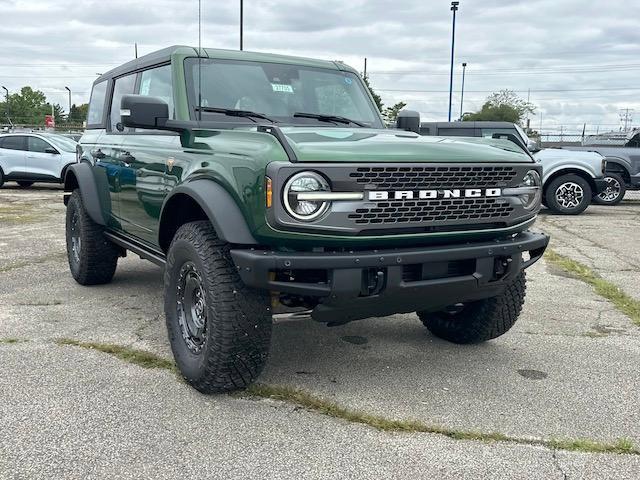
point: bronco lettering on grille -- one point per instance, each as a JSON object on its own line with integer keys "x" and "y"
{"x": 434, "y": 194}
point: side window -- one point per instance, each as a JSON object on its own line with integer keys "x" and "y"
{"x": 124, "y": 86}
{"x": 156, "y": 82}
{"x": 456, "y": 132}
{"x": 96, "y": 105}
{"x": 37, "y": 145}
{"x": 14, "y": 143}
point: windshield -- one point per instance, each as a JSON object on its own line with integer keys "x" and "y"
{"x": 279, "y": 92}
{"x": 63, "y": 143}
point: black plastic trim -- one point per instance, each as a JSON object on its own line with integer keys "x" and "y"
{"x": 276, "y": 132}
{"x": 138, "y": 248}
{"x": 88, "y": 190}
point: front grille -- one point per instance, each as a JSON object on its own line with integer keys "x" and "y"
{"x": 473, "y": 210}
{"x": 425, "y": 177}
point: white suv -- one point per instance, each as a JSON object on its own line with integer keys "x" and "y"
{"x": 35, "y": 157}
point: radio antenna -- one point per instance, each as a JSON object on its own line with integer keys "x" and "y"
{"x": 200, "y": 60}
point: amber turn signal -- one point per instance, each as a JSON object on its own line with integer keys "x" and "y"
{"x": 269, "y": 191}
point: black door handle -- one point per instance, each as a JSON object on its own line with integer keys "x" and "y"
{"x": 98, "y": 154}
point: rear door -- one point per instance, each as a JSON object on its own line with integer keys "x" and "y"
{"x": 12, "y": 156}
{"x": 42, "y": 159}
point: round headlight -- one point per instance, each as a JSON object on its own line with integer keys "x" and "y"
{"x": 305, "y": 209}
{"x": 532, "y": 199}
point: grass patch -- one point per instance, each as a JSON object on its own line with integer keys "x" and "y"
{"x": 623, "y": 302}
{"x": 331, "y": 409}
{"x": 131, "y": 355}
{"x": 12, "y": 340}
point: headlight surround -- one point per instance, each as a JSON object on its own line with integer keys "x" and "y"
{"x": 303, "y": 182}
{"x": 533, "y": 183}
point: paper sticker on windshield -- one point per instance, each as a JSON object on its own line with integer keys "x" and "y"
{"x": 282, "y": 87}
{"x": 144, "y": 87}
{"x": 348, "y": 81}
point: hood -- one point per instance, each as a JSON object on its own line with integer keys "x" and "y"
{"x": 372, "y": 145}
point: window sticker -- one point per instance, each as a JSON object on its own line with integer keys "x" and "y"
{"x": 281, "y": 87}
{"x": 144, "y": 87}
{"x": 348, "y": 81}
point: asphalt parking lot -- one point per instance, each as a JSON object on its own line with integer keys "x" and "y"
{"x": 566, "y": 373}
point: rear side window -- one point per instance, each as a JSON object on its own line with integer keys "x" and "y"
{"x": 14, "y": 143}
{"x": 456, "y": 132}
{"x": 96, "y": 105}
{"x": 156, "y": 82}
{"x": 124, "y": 86}
{"x": 37, "y": 145}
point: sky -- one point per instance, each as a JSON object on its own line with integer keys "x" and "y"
{"x": 577, "y": 61}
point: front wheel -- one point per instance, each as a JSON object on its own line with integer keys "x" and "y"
{"x": 568, "y": 195}
{"x": 613, "y": 192}
{"x": 219, "y": 329}
{"x": 25, "y": 184}
{"x": 479, "y": 321}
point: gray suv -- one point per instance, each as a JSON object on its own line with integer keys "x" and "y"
{"x": 571, "y": 179}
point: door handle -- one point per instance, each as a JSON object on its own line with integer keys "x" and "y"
{"x": 98, "y": 154}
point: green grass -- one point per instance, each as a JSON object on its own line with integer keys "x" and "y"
{"x": 12, "y": 340}
{"x": 623, "y": 302}
{"x": 331, "y": 409}
{"x": 127, "y": 354}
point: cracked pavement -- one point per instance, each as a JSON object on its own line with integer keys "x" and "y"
{"x": 568, "y": 369}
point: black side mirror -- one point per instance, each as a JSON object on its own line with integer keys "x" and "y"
{"x": 408, "y": 120}
{"x": 51, "y": 150}
{"x": 140, "y": 111}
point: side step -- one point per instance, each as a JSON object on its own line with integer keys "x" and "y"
{"x": 138, "y": 248}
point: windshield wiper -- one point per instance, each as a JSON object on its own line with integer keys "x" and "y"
{"x": 328, "y": 118}
{"x": 234, "y": 113}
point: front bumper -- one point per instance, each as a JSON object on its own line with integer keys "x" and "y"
{"x": 362, "y": 284}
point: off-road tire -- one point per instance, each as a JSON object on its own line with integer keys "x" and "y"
{"x": 23, "y": 184}
{"x": 481, "y": 320}
{"x": 93, "y": 261}
{"x": 233, "y": 345}
{"x": 551, "y": 190}
{"x": 1, "y": 177}
{"x": 602, "y": 199}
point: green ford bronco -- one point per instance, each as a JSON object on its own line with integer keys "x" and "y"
{"x": 268, "y": 185}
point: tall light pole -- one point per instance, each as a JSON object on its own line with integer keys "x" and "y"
{"x": 6, "y": 108}
{"x": 464, "y": 67}
{"x": 454, "y": 9}
{"x": 241, "y": 21}
{"x": 69, "y": 90}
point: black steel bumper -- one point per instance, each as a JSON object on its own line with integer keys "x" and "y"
{"x": 404, "y": 280}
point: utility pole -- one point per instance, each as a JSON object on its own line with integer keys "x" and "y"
{"x": 464, "y": 67}
{"x": 135, "y": 47}
{"x": 626, "y": 117}
{"x": 69, "y": 90}
{"x": 454, "y": 9}
{"x": 241, "y": 21}
{"x": 6, "y": 108}
{"x": 365, "y": 68}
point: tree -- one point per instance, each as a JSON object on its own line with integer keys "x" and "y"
{"x": 502, "y": 106}
{"x": 391, "y": 113}
{"x": 29, "y": 107}
{"x": 376, "y": 97}
{"x": 78, "y": 114}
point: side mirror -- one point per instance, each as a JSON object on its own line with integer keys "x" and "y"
{"x": 51, "y": 150}
{"x": 408, "y": 120}
{"x": 533, "y": 146}
{"x": 140, "y": 111}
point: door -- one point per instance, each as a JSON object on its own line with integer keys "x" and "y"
{"x": 13, "y": 155}
{"x": 151, "y": 156}
{"x": 42, "y": 159}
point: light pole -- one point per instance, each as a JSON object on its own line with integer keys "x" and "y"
{"x": 6, "y": 108}
{"x": 454, "y": 9}
{"x": 69, "y": 90}
{"x": 464, "y": 67}
{"x": 241, "y": 21}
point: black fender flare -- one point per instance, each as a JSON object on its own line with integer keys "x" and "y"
{"x": 80, "y": 176}
{"x": 219, "y": 207}
{"x": 623, "y": 164}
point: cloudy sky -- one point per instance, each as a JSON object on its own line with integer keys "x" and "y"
{"x": 580, "y": 60}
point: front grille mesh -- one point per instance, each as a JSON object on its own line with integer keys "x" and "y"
{"x": 473, "y": 210}
{"x": 413, "y": 177}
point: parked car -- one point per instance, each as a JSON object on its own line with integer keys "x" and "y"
{"x": 35, "y": 157}
{"x": 272, "y": 186}
{"x": 570, "y": 180}
{"x": 623, "y": 165}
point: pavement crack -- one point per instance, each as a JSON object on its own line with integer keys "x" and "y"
{"x": 556, "y": 463}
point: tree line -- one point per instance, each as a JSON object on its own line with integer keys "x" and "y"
{"x": 29, "y": 107}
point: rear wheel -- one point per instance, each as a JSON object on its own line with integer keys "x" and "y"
{"x": 1, "y": 177}
{"x": 25, "y": 184}
{"x": 219, "y": 329}
{"x": 479, "y": 321}
{"x": 614, "y": 191}
{"x": 92, "y": 258}
{"x": 568, "y": 195}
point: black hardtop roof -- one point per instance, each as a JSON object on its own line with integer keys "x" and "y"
{"x": 478, "y": 124}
